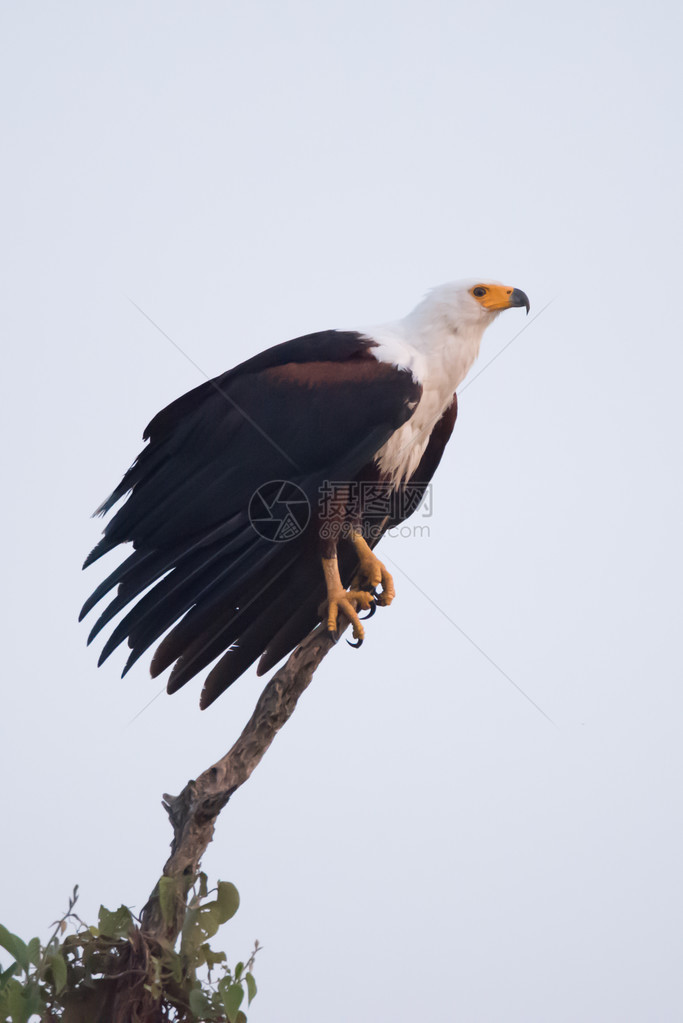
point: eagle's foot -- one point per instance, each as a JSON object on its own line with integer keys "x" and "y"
{"x": 348, "y": 603}
{"x": 344, "y": 602}
{"x": 373, "y": 572}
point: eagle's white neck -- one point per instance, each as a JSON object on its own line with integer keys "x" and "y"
{"x": 437, "y": 342}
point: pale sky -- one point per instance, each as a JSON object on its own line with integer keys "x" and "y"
{"x": 420, "y": 842}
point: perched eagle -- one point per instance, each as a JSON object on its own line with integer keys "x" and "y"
{"x": 306, "y": 453}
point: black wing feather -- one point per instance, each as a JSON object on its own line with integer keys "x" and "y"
{"x": 315, "y": 408}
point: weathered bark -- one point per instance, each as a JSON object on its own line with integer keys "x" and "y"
{"x": 193, "y": 813}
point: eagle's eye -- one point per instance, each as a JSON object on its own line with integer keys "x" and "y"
{"x": 478, "y": 292}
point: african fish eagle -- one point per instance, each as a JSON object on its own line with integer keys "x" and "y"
{"x": 325, "y": 413}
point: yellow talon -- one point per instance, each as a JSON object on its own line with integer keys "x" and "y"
{"x": 373, "y": 571}
{"x": 346, "y": 602}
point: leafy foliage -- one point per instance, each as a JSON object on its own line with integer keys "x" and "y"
{"x": 114, "y": 972}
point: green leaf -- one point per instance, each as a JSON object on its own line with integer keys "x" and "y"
{"x": 34, "y": 1002}
{"x": 15, "y": 946}
{"x": 58, "y": 965}
{"x": 228, "y": 900}
{"x": 116, "y": 924}
{"x": 15, "y": 1006}
{"x": 172, "y": 963}
{"x": 5, "y": 977}
{"x": 155, "y": 987}
{"x": 209, "y": 919}
{"x": 212, "y": 958}
{"x": 34, "y": 950}
{"x": 251, "y": 987}
{"x": 192, "y": 935}
{"x": 232, "y": 995}
{"x": 199, "y": 1003}
{"x": 21, "y": 1003}
{"x": 203, "y": 884}
{"x": 168, "y": 887}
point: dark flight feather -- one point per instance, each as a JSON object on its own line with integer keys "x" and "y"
{"x": 313, "y": 409}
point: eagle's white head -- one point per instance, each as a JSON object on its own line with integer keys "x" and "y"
{"x": 440, "y": 338}
{"x": 437, "y": 342}
{"x": 463, "y": 306}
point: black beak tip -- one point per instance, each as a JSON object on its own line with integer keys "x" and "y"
{"x": 518, "y": 298}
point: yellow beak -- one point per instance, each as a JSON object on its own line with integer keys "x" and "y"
{"x": 498, "y": 296}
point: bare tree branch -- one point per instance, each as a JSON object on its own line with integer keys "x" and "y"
{"x": 193, "y": 813}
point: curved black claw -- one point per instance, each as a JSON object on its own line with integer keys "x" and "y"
{"x": 371, "y": 611}
{"x": 357, "y": 645}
